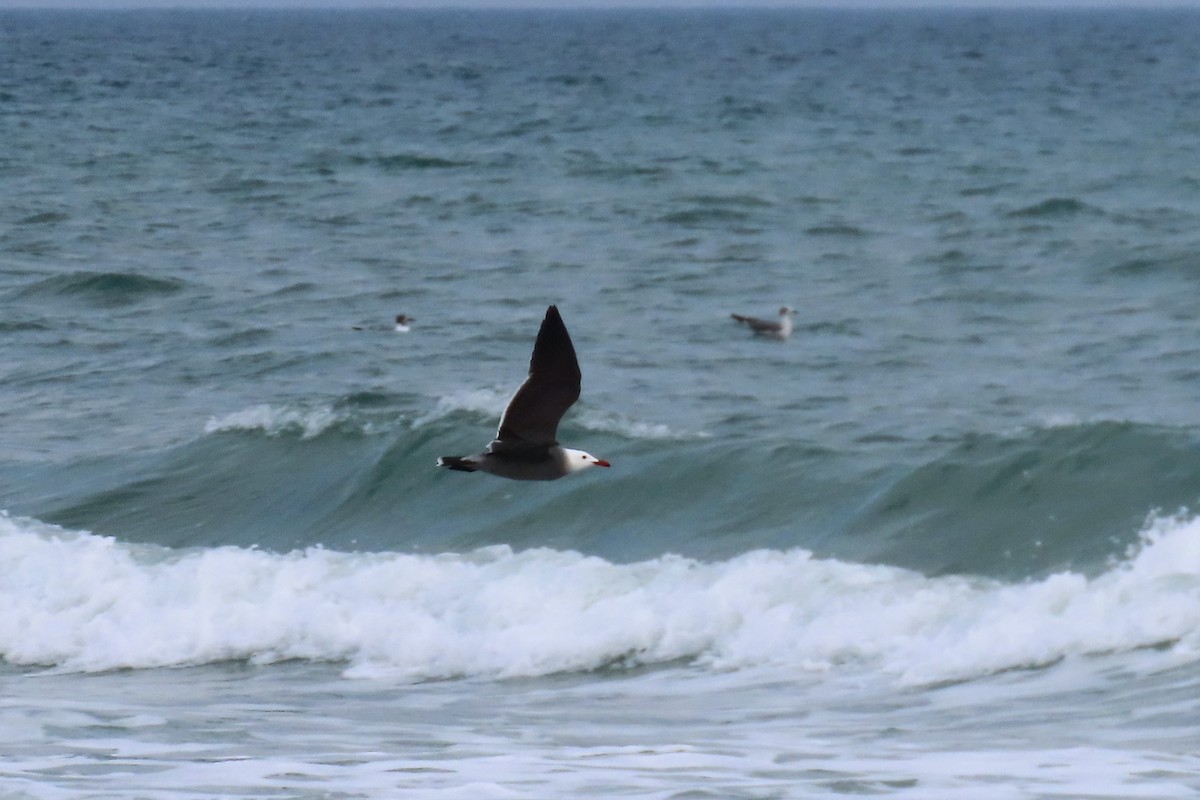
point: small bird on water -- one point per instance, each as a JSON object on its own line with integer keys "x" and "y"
{"x": 526, "y": 446}
{"x": 402, "y": 324}
{"x": 770, "y": 328}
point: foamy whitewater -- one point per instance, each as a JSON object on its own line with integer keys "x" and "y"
{"x": 944, "y": 542}
{"x": 495, "y": 613}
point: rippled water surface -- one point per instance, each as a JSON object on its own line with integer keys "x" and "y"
{"x": 939, "y": 543}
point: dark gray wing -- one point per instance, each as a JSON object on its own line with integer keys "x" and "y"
{"x": 760, "y": 325}
{"x": 531, "y": 419}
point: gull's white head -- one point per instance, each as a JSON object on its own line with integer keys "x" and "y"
{"x": 785, "y": 322}
{"x": 578, "y": 459}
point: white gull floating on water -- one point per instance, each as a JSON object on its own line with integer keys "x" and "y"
{"x": 526, "y": 446}
{"x": 770, "y": 328}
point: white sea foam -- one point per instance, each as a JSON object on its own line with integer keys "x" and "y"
{"x": 275, "y": 421}
{"x": 85, "y": 602}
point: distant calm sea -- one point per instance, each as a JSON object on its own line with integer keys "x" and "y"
{"x": 943, "y": 543}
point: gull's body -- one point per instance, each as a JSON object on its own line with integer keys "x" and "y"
{"x": 774, "y": 329}
{"x": 526, "y": 446}
{"x": 403, "y": 324}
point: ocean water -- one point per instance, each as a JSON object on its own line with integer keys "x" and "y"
{"x": 942, "y": 543}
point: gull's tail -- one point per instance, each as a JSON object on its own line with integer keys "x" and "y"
{"x": 457, "y": 463}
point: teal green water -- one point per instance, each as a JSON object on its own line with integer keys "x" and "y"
{"x": 958, "y": 496}
{"x": 987, "y": 223}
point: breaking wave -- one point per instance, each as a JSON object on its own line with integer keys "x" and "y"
{"x": 81, "y": 602}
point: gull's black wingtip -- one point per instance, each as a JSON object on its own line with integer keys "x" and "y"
{"x": 553, "y": 319}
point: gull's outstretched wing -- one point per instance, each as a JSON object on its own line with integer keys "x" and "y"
{"x": 531, "y": 419}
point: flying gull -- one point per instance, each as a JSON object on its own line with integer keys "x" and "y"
{"x": 526, "y": 447}
{"x": 766, "y": 327}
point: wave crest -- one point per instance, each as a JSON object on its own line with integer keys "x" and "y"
{"x": 499, "y": 613}
{"x": 275, "y": 421}
{"x": 489, "y": 404}
{"x": 106, "y": 289}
